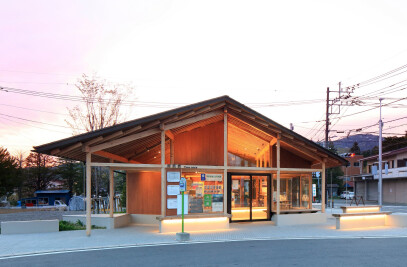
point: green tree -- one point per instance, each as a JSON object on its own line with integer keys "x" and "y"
{"x": 355, "y": 148}
{"x": 393, "y": 142}
{"x": 8, "y": 172}
{"x": 71, "y": 173}
{"x": 39, "y": 171}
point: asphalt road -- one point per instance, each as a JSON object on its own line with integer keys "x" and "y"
{"x": 327, "y": 252}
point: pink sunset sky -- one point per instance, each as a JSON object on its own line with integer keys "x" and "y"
{"x": 265, "y": 54}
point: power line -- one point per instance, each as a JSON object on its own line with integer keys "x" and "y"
{"x": 55, "y": 125}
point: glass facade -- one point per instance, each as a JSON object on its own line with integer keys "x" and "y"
{"x": 295, "y": 192}
{"x": 205, "y": 192}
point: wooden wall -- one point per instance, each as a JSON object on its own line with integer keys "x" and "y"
{"x": 289, "y": 160}
{"x": 144, "y": 192}
{"x": 201, "y": 146}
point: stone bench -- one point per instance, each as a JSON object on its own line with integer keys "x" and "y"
{"x": 360, "y": 209}
{"x": 360, "y": 219}
{"x": 29, "y": 227}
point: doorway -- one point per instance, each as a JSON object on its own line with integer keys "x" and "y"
{"x": 249, "y": 197}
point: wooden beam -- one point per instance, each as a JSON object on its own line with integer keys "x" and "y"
{"x": 55, "y": 151}
{"x": 70, "y": 148}
{"x": 126, "y": 165}
{"x": 95, "y": 140}
{"x": 114, "y": 157}
{"x": 254, "y": 124}
{"x": 170, "y": 134}
{"x": 301, "y": 150}
{"x": 192, "y": 120}
{"x": 123, "y": 140}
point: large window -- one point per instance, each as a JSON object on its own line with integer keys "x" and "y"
{"x": 295, "y": 192}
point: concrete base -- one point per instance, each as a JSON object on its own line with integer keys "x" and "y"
{"x": 182, "y": 237}
{"x": 353, "y": 222}
{"x": 196, "y": 224}
{"x": 397, "y": 220}
{"x": 102, "y": 220}
{"x": 299, "y": 219}
{"x": 145, "y": 219}
{"x": 29, "y": 227}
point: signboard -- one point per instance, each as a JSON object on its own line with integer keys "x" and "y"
{"x": 202, "y": 176}
{"x": 179, "y": 204}
{"x": 217, "y": 206}
{"x": 182, "y": 184}
{"x": 173, "y": 177}
{"x": 214, "y": 177}
{"x": 172, "y": 203}
{"x": 314, "y": 190}
{"x": 173, "y": 190}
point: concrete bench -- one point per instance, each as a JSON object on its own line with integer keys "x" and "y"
{"x": 29, "y": 227}
{"x": 360, "y": 219}
{"x": 359, "y": 209}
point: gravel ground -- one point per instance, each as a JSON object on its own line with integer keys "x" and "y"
{"x": 35, "y": 215}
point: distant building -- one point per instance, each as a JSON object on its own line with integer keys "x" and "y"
{"x": 47, "y": 197}
{"x": 394, "y": 175}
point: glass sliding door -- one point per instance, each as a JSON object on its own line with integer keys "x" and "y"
{"x": 241, "y": 201}
{"x": 260, "y": 198}
{"x": 249, "y": 197}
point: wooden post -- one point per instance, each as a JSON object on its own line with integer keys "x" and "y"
{"x": 278, "y": 174}
{"x": 88, "y": 193}
{"x": 111, "y": 191}
{"x": 171, "y": 151}
{"x": 163, "y": 174}
{"x": 225, "y": 161}
{"x": 323, "y": 188}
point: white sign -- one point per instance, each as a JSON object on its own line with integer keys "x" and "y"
{"x": 173, "y": 177}
{"x": 235, "y": 184}
{"x": 179, "y": 204}
{"x": 172, "y": 203}
{"x": 217, "y": 206}
{"x": 214, "y": 177}
{"x": 314, "y": 190}
{"x": 173, "y": 190}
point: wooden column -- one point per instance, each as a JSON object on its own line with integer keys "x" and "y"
{"x": 88, "y": 192}
{"x": 111, "y": 191}
{"x": 225, "y": 161}
{"x": 163, "y": 174}
{"x": 278, "y": 174}
{"x": 171, "y": 151}
{"x": 323, "y": 187}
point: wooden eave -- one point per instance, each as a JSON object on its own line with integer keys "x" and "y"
{"x": 133, "y": 140}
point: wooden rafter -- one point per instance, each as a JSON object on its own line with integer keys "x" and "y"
{"x": 114, "y": 157}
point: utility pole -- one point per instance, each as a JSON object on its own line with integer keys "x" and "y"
{"x": 327, "y": 119}
{"x": 380, "y": 184}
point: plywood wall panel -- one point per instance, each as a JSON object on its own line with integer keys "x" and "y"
{"x": 144, "y": 192}
{"x": 201, "y": 146}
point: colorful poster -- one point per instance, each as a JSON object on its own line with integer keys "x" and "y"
{"x": 207, "y": 200}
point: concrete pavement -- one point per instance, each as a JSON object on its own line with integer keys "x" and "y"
{"x": 22, "y": 244}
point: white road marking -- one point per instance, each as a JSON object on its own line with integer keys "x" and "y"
{"x": 188, "y": 243}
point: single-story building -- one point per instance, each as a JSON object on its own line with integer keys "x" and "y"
{"x": 47, "y": 198}
{"x": 239, "y": 165}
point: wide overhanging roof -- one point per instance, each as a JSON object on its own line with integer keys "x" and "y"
{"x": 135, "y": 138}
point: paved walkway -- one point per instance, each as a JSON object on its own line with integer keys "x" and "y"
{"x": 148, "y": 235}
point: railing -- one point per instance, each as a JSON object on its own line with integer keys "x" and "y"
{"x": 393, "y": 173}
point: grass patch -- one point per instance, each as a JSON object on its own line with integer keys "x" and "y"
{"x": 78, "y": 225}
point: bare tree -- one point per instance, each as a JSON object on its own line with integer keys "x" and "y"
{"x": 102, "y": 107}
{"x": 103, "y": 104}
